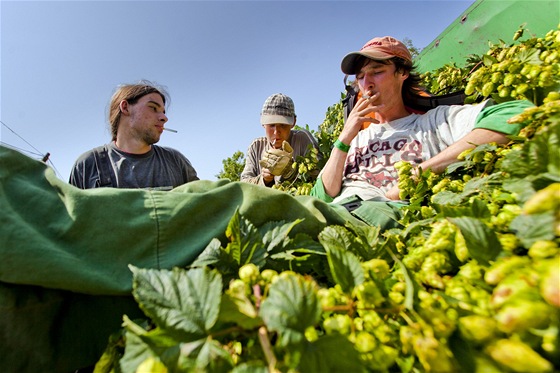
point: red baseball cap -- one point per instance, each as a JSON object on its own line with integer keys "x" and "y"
{"x": 381, "y": 48}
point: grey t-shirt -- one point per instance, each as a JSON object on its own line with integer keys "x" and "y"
{"x": 161, "y": 168}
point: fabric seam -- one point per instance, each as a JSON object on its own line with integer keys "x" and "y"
{"x": 157, "y": 228}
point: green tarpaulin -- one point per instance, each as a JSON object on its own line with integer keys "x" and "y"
{"x": 64, "y": 277}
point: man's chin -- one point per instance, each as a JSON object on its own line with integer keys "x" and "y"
{"x": 153, "y": 140}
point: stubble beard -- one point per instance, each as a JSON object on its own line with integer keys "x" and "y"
{"x": 149, "y": 137}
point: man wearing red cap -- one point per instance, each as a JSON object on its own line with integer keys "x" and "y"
{"x": 361, "y": 164}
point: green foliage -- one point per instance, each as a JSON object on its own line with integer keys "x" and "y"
{"x": 527, "y": 69}
{"x": 331, "y": 127}
{"x": 468, "y": 282}
{"x": 474, "y": 285}
{"x": 414, "y": 51}
{"x": 232, "y": 167}
{"x": 446, "y": 79}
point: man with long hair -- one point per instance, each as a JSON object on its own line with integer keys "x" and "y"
{"x": 137, "y": 116}
{"x": 382, "y": 130}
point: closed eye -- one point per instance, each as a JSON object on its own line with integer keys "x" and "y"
{"x": 157, "y": 107}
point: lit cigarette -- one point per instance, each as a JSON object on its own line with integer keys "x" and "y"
{"x": 169, "y": 129}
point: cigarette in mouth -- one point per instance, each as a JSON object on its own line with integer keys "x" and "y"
{"x": 169, "y": 129}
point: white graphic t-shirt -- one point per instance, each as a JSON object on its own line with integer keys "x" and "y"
{"x": 369, "y": 171}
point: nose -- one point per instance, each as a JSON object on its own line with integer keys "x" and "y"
{"x": 368, "y": 82}
{"x": 163, "y": 118}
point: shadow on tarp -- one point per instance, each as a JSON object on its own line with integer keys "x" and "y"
{"x": 49, "y": 330}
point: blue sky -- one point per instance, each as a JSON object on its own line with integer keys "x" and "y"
{"x": 219, "y": 60}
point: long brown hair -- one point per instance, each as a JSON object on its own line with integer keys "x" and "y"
{"x": 130, "y": 93}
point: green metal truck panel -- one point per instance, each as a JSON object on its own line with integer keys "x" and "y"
{"x": 484, "y": 21}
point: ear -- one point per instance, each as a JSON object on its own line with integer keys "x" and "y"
{"x": 405, "y": 75}
{"x": 295, "y": 119}
{"x": 123, "y": 106}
